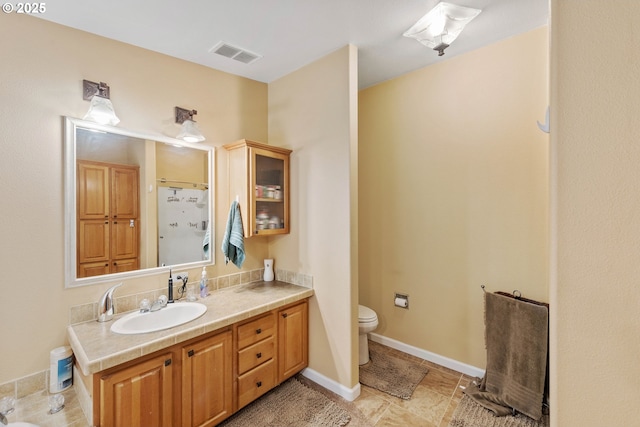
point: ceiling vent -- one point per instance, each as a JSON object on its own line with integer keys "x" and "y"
{"x": 235, "y": 53}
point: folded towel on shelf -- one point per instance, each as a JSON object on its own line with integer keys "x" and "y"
{"x": 233, "y": 239}
{"x": 516, "y": 335}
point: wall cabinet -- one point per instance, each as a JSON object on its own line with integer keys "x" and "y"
{"x": 107, "y": 229}
{"x": 205, "y": 380}
{"x": 259, "y": 181}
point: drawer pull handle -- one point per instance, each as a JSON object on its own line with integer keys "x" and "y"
{"x": 259, "y": 355}
{"x": 258, "y": 331}
{"x": 259, "y": 383}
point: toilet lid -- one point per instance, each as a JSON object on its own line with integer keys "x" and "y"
{"x": 365, "y": 314}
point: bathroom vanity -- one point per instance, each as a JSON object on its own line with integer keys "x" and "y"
{"x": 252, "y": 338}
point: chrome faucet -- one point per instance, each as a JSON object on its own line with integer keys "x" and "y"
{"x": 106, "y": 310}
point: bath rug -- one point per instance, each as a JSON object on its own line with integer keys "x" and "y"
{"x": 468, "y": 413}
{"x": 290, "y": 404}
{"x": 391, "y": 374}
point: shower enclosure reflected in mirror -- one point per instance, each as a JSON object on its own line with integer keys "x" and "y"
{"x": 135, "y": 204}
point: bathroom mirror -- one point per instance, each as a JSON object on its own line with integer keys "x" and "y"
{"x": 135, "y": 204}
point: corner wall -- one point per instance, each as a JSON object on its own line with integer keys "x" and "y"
{"x": 313, "y": 111}
{"x": 595, "y": 292}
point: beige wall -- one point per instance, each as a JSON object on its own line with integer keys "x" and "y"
{"x": 453, "y": 191}
{"x": 595, "y": 291}
{"x": 313, "y": 111}
{"x": 41, "y": 73}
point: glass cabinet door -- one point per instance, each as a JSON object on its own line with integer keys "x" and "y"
{"x": 270, "y": 192}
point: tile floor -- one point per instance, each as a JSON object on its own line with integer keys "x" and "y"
{"x": 431, "y": 405}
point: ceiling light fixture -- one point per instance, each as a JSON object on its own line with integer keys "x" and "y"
{"x": 189, "y": 131}
{"x": 101, "y": 109}
{"x": 441, "y": 25}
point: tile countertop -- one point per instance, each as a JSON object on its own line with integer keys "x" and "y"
{"x": 96, "y": 348}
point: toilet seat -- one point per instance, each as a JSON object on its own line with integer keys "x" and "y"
{"x": 366, "y": 315}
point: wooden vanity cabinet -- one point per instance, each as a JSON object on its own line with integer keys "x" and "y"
{"x": 256, "y": 351}
{"x": 259, "y": 181}
{"x": 139, "y": 395}
{"x": 207, "y": 380}
{"x": 108, "y": 219}
{"x": 293, "y": 340}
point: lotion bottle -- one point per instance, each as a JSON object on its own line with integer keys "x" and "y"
{"x": 204, "y": 290}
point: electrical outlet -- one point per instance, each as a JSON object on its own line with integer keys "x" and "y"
{"x": 184, "y": 277}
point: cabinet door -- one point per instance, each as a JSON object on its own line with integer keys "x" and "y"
{"x": 293, "y": 340}
{"x": 93, "y": 191}
{"x": 90, "y": 269}
{"x": 207, "y": 382}
{"x": 122, "y": 265}
{"x": 138, "y": 396}
{"x": 93, "y": 240}
{"x": 124, "y": 238}
{"x": 124, "y": 192}
{"x": 269, "y": 192}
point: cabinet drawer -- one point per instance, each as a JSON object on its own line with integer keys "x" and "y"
{"x": 255, "y": 355}
{"x": 256, "y": 330}
{"x": 256, "y": 382}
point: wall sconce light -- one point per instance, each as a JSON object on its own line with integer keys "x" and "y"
{"x": 189, "y": 131}
{"x": 441, "y": 25}
{"x": 101, "y": 109}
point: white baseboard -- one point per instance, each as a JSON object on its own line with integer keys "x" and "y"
{"x": 349, "y": 394}
{"x": 472, "y": 371}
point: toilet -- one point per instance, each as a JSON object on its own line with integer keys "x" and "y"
{"x": 367, "y": 322}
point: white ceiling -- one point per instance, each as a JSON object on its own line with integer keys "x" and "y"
{"x": 292, "y": 33}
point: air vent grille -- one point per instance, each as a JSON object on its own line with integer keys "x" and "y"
{"x": 235, "y": 53}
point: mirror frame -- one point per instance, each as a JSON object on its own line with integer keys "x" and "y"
{"x": 70, "y": 182}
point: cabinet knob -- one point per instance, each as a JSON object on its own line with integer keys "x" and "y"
{"x": 259, "y": 384}
{"x": 167, "y": 362}
{"x": 284, "y": 315}
{"x": 258, "y": 331}
{"x": 190, "y": 353}
{"x": 259, "y": 355}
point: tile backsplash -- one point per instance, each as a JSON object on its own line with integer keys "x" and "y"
{"x": 124, "y": 303}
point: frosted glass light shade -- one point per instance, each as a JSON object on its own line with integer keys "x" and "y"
{"x": 190, "y": 132}
{"x": 101, "y": 111}
{"x": 442, "y": 24}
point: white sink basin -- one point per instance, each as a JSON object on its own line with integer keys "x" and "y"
{"x": 172, "y": 315}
